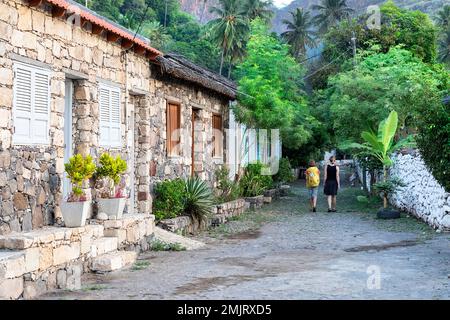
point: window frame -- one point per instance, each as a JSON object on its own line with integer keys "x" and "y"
{"x": 108, "y": 143}
{"x": 32, "y": 140}
{"x": 214, "y": 154}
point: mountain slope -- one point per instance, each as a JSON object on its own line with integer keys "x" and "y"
{"x": 200, "y": 8}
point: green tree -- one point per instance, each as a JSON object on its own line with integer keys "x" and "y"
{"x": 330, "y": 12}
{"x": 258, "y": 9}
{"x": 443, "y": 17}
{"x": 269, "y": 84}
{"x": 299, "y": 34}
{"x": 230, "y": 28}
{"x": 444, "y": 46}
{"x": 362, "y": 97}
{"x": 156, "y": 33}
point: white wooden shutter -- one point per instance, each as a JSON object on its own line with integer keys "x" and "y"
{"x": 104, "y": 116}
{"x": 109, "y": 104}
{"x": 115, "y": 134}
{"x": 31, "y": 105}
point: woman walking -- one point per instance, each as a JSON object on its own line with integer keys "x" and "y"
{"x": 331, "y": 183}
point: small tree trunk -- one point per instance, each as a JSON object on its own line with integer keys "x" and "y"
{"x": 385, "y": 200}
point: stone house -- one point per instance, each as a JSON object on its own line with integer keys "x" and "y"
{"x": 72, "y": 82}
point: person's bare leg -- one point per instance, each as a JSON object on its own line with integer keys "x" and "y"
{"x": 315, "y": 202}
{"x": 334, "y": 203}
{"x": 329, "y": 199}
{"x": 311, "y": 202}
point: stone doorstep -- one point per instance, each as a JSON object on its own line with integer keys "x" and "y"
{"x": 127, "y": 220}
{"x": 25, "y": 240}
{"x": 113, "y": 261}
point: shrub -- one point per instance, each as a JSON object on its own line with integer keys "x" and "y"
{"x": 253, "y": 183}
{"x": 226, "y": 190}
{"x": 111, "y": 169}
{"x": 284, "y": 172}
{"x": 79, "y": 169}
{"x": 169, "y": 200}
{"x": 433, "y": 141}
{"x": 198, "y": 199}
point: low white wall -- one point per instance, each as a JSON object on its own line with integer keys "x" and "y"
{"x": 422, "y": 196}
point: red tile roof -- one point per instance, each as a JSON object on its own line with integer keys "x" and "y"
{"x": 103, "y": 23}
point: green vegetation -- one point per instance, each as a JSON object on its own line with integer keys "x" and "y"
{"x": 111, "y": 169}
{"x": 79, "y": 169}
{"x": 253, "y": 183}
{"x": 284, "y": 173}
{"x": 226, "y": 189}
{"x": 198, "y": 199}
{"x": 140, "y": 265}
{"x": 169, "y": 199}
{"x": 381, "y": 145}
{"x": 158, "y": 245}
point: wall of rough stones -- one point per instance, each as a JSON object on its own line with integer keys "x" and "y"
{"x": 31, "y": 176}
{"x": 422, "y": 196}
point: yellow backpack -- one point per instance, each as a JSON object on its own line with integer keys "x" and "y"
{"x": 313, "y": 177}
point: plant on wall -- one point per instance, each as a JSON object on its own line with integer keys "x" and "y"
{"x": 79, "y": 169}
{"x": 253, "y": 183}
{"x": 111, "y": 169}
{"x": 226, "y": 189}
{"x": 169, "y": 199}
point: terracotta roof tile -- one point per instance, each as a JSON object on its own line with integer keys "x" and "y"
{"x": 97, "y": 20}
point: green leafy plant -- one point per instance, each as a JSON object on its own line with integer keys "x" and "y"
{"x": 381, "y": 146}
{"x": 111, "y": 169}
{"x": 253, "y": 183}
{"x": 198, "y": 199}
{"x": 388, "y": 186}
{"x": 158, "y": 245}
{"x": 79, "y": 169}
{"x": 284, "y": 171}
{"x": 169, "y": 199}
{"x": 226, "y": 189}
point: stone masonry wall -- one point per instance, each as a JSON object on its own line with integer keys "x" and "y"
{"x": 422, "y": 196}
{"x": 205, "y": 105}
{"x": 31, "y": 176}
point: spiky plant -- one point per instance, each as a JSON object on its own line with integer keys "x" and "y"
{"x": 198, "y": 199}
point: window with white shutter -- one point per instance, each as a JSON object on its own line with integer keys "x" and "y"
{"x": 109, "y": 104}
{"x": 31, "y": 108}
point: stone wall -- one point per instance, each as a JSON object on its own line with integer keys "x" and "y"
{"x": 422, "y": 196}
{"x": 221, "y": 214}
{"x": 31, "y": 177}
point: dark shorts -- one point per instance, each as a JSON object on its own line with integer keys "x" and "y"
{"x": 313, "y": 192}
{"x": 331, "y": 188}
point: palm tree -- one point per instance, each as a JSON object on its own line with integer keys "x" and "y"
{"x": 258, "y": 9}
{"x": 157, "y": 34}
{"x": 330, "y": 13}
{"x": 299, "y": 34}
{"x": 443, "y": 17}
{"x": 230, "y": 28}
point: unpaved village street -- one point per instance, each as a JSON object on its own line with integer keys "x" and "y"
{"x": 283, "y": 251}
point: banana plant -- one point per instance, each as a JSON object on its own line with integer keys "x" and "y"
{"x": 381, "y": 145}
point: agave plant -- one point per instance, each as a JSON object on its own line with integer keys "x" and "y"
{"x": 381, "y": 146}
{"x": 198, "y": 199}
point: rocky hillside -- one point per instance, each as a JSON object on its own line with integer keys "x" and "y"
{"x": 200, "y": 8}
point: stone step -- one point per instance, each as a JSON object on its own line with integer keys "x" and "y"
{"x": 12, "y": 264}
{"x": 169, "y": 237}
{"x": 103, "y": 245}
{"x": 46, "y": 235}
{"x": 113, "y": 261}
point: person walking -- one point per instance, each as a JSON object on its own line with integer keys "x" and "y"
{"x": 312, "y": 184}
{"x": 331, "y": 183}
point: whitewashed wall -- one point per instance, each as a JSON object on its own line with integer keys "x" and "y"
{"x": 422, "y": 196}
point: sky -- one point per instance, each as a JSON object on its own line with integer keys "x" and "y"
{"x": 281, "y": 3}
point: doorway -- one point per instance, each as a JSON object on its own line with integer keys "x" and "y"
{"x": 68, "y": 149}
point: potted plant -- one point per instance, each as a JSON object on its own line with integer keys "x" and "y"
{"x": 112, "y": 197}
{"x": 75, "y": 210}
{"x": 381, "y": 146}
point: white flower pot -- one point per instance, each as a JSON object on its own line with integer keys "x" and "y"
{"x": 75, "y": 213}
{"x": 112, "y": 207}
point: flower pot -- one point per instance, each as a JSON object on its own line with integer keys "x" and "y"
{"x": 75, "y": 213}
{"x": 112, "y": 207}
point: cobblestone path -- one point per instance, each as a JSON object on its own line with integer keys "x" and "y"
{"x": 284, "y": 251}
